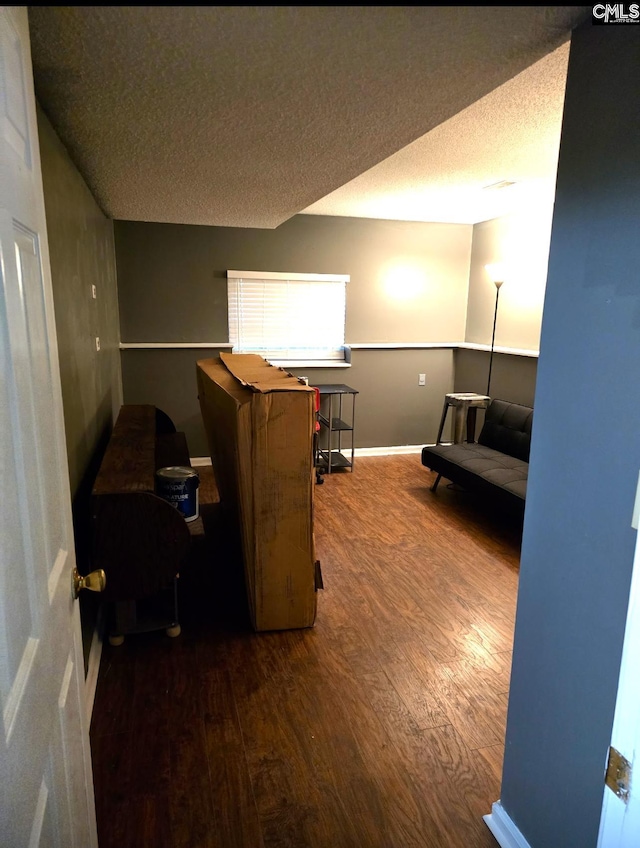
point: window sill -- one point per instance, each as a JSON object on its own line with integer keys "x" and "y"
{"x": 309, "y": 363}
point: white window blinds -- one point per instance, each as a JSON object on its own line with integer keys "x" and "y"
{"x": 287, "y": 316}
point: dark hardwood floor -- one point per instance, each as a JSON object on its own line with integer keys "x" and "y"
{"x": 380, "y": 727}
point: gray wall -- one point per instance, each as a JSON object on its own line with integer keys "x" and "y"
{"x": 521, "y": 243}
{"x": 167, "y": 379}
{"x": 391, "y": 408}
{"x": 513, "y": 378}
{"x": 81, "y": 253}
{"x": 172, "y": 283}
{"x": 578, "y": 545}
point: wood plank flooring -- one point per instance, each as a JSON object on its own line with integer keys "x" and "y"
{"x": 380, "y": 727}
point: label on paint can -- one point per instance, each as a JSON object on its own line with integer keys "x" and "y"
{"x": 178, "y": 484}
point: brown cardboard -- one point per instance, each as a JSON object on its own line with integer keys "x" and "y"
{"x": 259, "y": 422}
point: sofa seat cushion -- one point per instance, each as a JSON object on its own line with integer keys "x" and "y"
{"x": 473, "y": 464}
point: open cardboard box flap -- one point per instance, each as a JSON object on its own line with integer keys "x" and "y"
{"x": 255, "y": 372}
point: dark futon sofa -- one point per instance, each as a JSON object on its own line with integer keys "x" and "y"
{"x": 498, "y": 465}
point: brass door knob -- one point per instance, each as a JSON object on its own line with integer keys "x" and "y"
{"x": 94, "y": 582}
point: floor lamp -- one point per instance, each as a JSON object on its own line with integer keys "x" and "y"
{"x": 496, "y": 273}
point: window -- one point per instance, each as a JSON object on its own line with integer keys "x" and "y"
{"x": 287, "y": 316}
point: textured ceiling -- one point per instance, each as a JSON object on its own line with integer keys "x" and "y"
{"x": 244, "y": 116}
{"x": 496, "y": 156}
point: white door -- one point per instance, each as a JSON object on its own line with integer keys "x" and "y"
{"x": 620, "y": 820}
{"x": 46, "y": 788}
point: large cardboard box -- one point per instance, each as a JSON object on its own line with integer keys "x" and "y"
{"x": 259, "y": 422}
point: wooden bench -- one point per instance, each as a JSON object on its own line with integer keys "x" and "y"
{"x": 140, "y": 540}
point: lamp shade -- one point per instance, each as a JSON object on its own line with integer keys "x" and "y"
{"x": 496, "y": 271}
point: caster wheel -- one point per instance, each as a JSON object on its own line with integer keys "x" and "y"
{"x": 116, "y": 640}
{"x": 173, "y": 631}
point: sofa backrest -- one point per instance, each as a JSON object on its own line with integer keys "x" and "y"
{"x": 507, "y": 428}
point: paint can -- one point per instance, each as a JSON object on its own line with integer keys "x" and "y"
{"x": 178, "y": 484}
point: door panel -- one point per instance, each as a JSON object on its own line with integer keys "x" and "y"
{"x": 45, "y": 770}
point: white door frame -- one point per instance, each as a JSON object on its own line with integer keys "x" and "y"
{"x": 620, "y": 820}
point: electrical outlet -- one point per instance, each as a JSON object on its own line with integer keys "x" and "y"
{"x": 422, "y": 379}
{"x": 93, "y": 292}
{"x": 97, "y": 343}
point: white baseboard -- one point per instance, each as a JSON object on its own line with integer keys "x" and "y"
{"x": 93, "y": 666}
{"x": 506, "y": 833}
{"x": 389, "y": 451}
{"x": 200, "y": 461}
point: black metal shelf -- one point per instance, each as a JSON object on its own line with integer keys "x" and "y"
{"x": 336, "y": 423}
{"x": 330, "y": 456}
{"x": 338, "y": 460}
